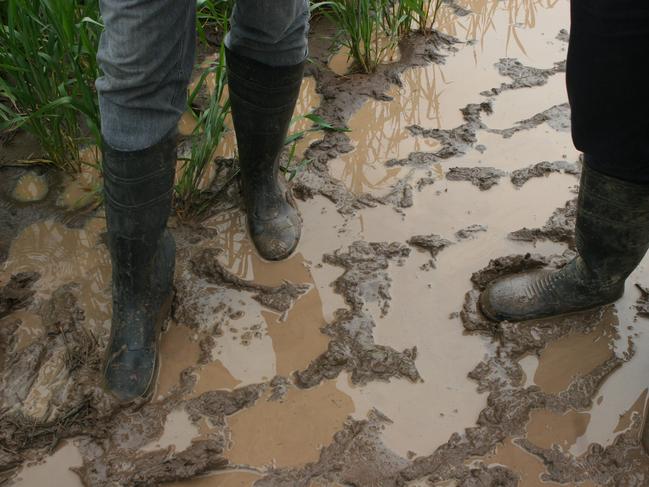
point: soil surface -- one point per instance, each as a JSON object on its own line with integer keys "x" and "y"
{"x": 363, "y": 359}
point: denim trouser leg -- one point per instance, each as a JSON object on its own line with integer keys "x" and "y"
{"x": 146, "y": 54}
{"x": 273, "y": 32}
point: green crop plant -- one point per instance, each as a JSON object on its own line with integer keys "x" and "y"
{"x": 213, "y": 19}
{"x": 368, "y": 28}
{"x": 210, "y": 127}
{"x": 47, "y": 72}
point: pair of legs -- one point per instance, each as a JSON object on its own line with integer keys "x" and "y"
{"x": 146, "y": 54}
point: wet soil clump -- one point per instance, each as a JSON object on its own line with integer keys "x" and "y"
{"x": 482, "y": 177}
{"x": 520, "y": 176}
{"x": 560, "y": 227}
{"x": 432, "y": 243}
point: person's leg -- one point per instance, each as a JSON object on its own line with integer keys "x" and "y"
{"x": 266, "y": 50}
{"x": 146, "y": 54}
{"x": 606, "y": 78}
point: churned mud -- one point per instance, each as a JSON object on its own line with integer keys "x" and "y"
{"x": 363, "y": 359}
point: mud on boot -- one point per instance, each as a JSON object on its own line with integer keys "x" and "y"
{"x": 612, "y": 236}
{"x": 138, "y": 194}
{"x": 263, "y": 99}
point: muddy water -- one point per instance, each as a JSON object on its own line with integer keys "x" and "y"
{"x": 252, "y": 344}
{"x": 30, "y": 187}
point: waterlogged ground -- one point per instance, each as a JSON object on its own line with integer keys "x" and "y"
{"x": 362, "y": 360}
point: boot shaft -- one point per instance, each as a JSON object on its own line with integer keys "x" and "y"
{"x": 612, "y": 230}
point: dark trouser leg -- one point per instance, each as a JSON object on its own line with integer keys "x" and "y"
{"x": 607, "y": 75}
{"x": 607, "y": 80}
{"x": 265, "y": 58}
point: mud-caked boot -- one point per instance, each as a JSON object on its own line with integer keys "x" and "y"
{"x": 263, "y": 99}
{"x": 612, "y": 236}
{"x": 138, "y": 193}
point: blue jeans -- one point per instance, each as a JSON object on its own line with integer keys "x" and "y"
{"x": 146, "y": 54}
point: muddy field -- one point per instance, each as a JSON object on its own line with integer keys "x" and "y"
{"x": 362, "y": 360}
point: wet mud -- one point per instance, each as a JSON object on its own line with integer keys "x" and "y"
{"x": 364, "y": 359}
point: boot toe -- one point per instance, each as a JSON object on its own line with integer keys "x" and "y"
{"x": 130, "y": 375}
{"x": 278, "y": 238}
{"x": 507, "y": 299}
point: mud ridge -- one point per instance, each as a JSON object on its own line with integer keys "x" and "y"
{"x": 280, "y": 298}
{"x": 352, "y": 348}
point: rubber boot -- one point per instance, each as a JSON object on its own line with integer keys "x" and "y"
{"x": 612, "y": 236}
{"x": 263, "y": 98}
{"x": 138, "y": 193}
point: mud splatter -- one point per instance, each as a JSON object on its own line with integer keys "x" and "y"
{"x": 482, "y": 177}
{"x": 520, "y": 176}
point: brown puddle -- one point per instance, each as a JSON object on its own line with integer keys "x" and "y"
{"x": 547, "y": 428}
{"x": 575, "y": 355}
{"x": 56, "y": 468}
{"x": 288, "y": 432}
{"x": 178, "y": 351}
{"x": 62, "y": 255}
{"x": 30, "y": 187}
{"x": 83, "y": 188}
{"x": 528, "y": 467}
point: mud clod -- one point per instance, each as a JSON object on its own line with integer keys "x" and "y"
{"x": 520, "y": 176}
{"x": 560, "y": 227}
{"x": 470, "y": 231}
{"x": 482, "y": 177}
{"x": 432, "y": 243}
